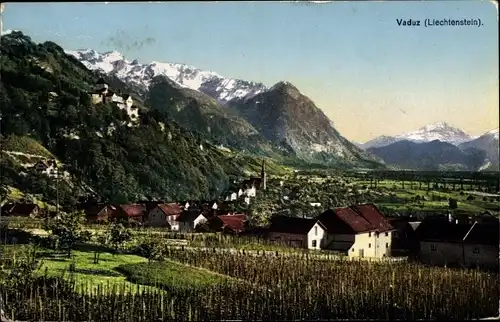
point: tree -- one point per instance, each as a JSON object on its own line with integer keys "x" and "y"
{"x": 152, "y": 250}
{"x": 203, "y": 227}
{"x": 452, "y": 203}
{"x": 118, "y": 235}
{"x": 66, "y": 228}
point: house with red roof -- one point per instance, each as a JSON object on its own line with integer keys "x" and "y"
{"x": 231, "y": 223}
{"x": 130, "y": 212}
{"x": 298, "y": 232}
{"x": 164, "y": 215}
{"x": 358, "y": 231}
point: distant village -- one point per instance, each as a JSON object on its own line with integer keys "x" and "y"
{"x": 361, "y": 231}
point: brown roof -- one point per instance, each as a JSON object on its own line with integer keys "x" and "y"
{"x": 292, "y": 225}
{"x": 344, "y": 221}
{"x": 170, "y": 208}
{"x": 133, "y": 210}
{"x": 233, "y": 222}
{"x": 371, "y": 214}
{"x": 19, "y": 209}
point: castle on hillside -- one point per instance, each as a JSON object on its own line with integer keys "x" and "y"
{"x": 103, "y": 94}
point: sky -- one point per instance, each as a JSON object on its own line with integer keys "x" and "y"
{"x": 370, "y": 76}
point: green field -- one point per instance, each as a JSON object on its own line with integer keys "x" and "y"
{"x": 169, "y": 274}
{"x": 429, "y": 200}
{"x": 121, "y": 271}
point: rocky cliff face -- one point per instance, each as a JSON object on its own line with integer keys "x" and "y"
{"x": 286, "y": 116}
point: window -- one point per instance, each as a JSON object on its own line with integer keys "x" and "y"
{"x": 386, "y": 245}
{"x": 315, "y": 230}
{"x": 386, "y": 234}
{"x": 475, "y": 250}
{"x": 369, "y": 234}
{"x": 370, "y": 245}
{"x": 314, "y": 243}
{"x": 433, "y": 247}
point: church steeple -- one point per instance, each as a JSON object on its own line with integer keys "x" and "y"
{"x": 263, "y": 175}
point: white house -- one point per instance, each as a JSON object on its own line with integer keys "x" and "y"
{"x": 164, "y": 215}
{"x": 189, "y": 219}
{"x": 358, "y": 231}
{"x": 297, "y": 232}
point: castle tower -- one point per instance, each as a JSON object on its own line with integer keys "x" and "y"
{"x": 263, "y": 175}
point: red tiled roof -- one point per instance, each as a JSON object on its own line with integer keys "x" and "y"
{"x": 353, "y": 220}
{"x": 372, "y": 215}
{"x": 235, "y": 215}
{"x": 235, "y": 223}
{"x": 170, "y": 208}
{"x": 133, "y": 210}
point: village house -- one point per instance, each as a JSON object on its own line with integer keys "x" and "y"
{"x": 164, "y": 215}
{"x": 189, "y": 219}
{"x": 20, "y": 210}
{"x": 358, "y": 231}
{"x": 133, "y": 213}
{"x": 97, "y": 213}
{"x": 445, "y": 241}
{"x": 231, "y": 223}
{"x": 297, "y": 232}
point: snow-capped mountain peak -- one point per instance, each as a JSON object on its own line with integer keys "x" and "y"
{"x": 221, "y": 88}
{"x": 441, "y": 131}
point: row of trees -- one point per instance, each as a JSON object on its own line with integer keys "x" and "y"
{"x": 67, "y": 229}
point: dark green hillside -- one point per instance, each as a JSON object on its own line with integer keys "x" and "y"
{"x": 156, "y": 159}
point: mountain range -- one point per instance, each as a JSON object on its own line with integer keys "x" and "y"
{"x": 395, "y": 150}
{"x": 441, "y": 131}
{"x": 196, "y": 131}
{"x": 47, "y": 113}
{"x": 185, "y": 76}
{"x": 434, "y": 156}
{"x": 279, "y": 121}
